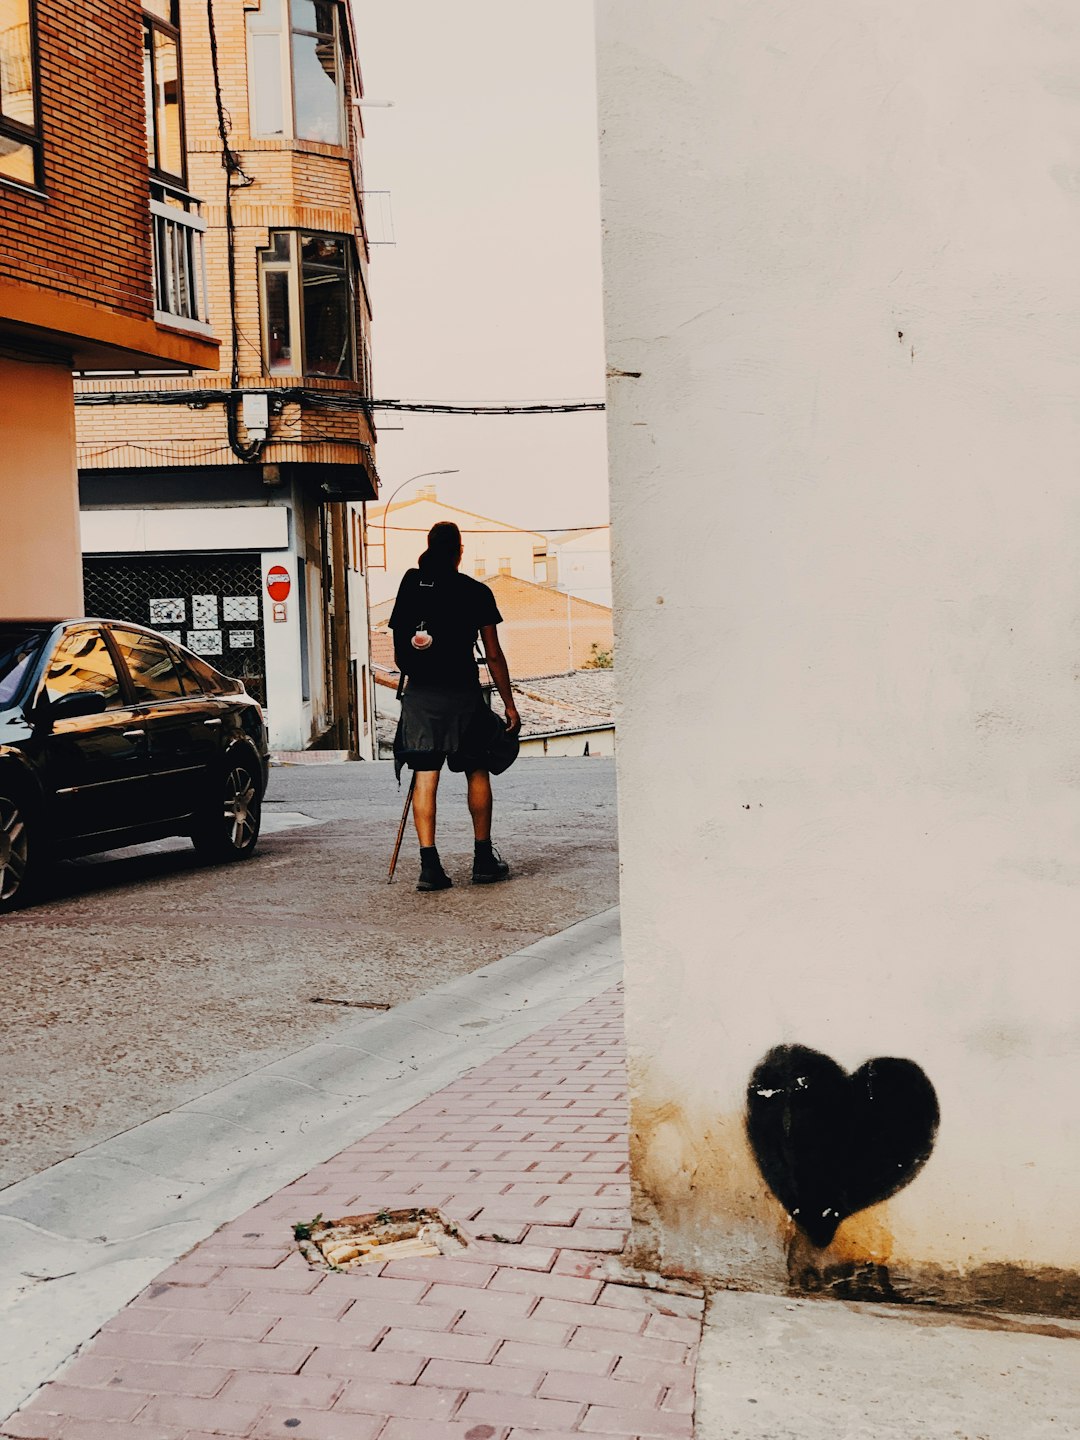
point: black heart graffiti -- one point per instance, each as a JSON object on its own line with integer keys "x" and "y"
{"x": 829, "y": 1144}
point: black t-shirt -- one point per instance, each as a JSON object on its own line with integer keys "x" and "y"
{"x": 451, "y": 608}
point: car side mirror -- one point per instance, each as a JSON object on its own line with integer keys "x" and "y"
{"x": 79, "y": 702}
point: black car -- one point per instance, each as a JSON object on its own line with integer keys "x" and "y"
{"x": 111, "y": 735}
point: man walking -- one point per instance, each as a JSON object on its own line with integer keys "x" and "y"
{"x": 436, "y": 618}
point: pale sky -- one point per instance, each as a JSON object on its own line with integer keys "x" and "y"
{"x": 492, "y": 291}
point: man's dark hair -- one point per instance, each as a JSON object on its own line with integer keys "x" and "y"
{"x": 443, "y": 547}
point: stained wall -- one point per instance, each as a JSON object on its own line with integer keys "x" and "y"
{"x": 842, "y": 308}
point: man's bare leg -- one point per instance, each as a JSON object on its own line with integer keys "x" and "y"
{"x": 487, "y": 866}
{"x": 480, "y": 804}
{"x": 427, "y": 785}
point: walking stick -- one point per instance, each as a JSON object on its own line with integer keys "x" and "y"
{"x": 401, "y": 828}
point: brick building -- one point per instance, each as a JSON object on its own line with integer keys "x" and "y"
{"x": 546, "y": 632}
{"x": 229, "y": 507}
{"x": 78, "y": 282}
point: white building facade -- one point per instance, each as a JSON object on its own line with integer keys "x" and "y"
{"x": 582, "y": 562}
{"x": 842, "y": 300}
{"x": 249, "y": 587}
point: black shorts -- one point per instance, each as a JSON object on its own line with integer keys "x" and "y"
{"x": 443, "y": 727}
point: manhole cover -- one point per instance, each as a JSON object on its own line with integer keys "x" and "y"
{"x": 357, "y": 1240}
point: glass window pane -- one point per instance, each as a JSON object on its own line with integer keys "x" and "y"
{"x": 323, "y": 251}
{"x": 315, "y": 89}
{"x": 167, "y": 104}
{"x": 313, "y": 15}
{"x": 19, "y": 648}
{"x": 279, "y": 350}
{"x": 280, "y": 245}
{"x": 82, "y": 663}
{"x": 150, "y": 666}
{"x": 193, "y": 685}
{"x": 16, "y": 62}
{"x": 148, "y": 94}
{"x": 199, "y": 676}
{"x": 179, "y": 289}
{"x": 327, "y": 299}
{"x": 17, "y": 161}
{"x": 266, "y": 99}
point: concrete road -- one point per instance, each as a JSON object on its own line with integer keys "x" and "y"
{"x": 144, "y": 979}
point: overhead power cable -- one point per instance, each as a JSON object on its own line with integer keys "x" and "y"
{"x": 338, "y": 400}
{"x": 419, "y": 407}
{"x": 376, "y": 521}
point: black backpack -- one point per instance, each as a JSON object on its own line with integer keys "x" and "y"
{"x": 420, "y": 634}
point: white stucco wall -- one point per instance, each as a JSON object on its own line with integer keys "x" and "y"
{"x": 601, "y": 744}
{"x": 584, "y": 563}
{"x": 841, "y": 250}
{"x": 288, "y": 726}
{"x": 359, "y": 635}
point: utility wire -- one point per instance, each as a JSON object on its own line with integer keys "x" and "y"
{"x": 417, "y": 407}
{"x": 340, "y": 400}
{"x": 376, "y": 522}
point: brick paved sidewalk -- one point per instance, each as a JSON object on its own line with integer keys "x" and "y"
{"x": 531, "y": 1338}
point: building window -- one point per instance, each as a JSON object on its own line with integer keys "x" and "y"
{"x": 162, "y": 84}
{"x": 357, "y": 542}
{"x": 178, "y": 224}
{"x": 179, "y": 258}
{"x": 308, "y": 305}
{"x": 296, "y": 71}
{"x": 20, "y": 142}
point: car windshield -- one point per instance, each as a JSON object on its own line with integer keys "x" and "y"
{"x": 20, "y": 646}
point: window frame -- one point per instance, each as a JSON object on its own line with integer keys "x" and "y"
{"x": 283, "y": 31}
{"x": 293, "y": 267}
{"x": 339, "y": 85}
{"x": 30, "y": 135}
{"x": 152, "y": 23}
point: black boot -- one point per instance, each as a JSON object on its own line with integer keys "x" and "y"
{"x": 488, "y": 866}
{"x": 432, "y": 875}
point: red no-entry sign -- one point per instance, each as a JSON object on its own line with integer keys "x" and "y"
{"x": 278, "y": 583}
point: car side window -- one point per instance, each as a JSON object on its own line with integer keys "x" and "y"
{"x": 153, "y": 674}
{"x": 82, "y": 663}
{"x": 204, "y": 678}
{"x": 193, "y": 684}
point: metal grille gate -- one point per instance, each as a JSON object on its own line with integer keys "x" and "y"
{"x": 121, "y": 587}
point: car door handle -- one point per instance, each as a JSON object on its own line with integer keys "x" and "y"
{"x": 134, "y": 734}
{"x": 211, "y": 722}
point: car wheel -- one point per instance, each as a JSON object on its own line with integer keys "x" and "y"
{"x": 230, "y": 828}
{"x": 18, "y": 858}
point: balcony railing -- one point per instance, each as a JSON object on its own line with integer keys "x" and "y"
{"x": 179, "y": 260}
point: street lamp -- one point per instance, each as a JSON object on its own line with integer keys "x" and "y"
{"x": 424, "y": 475}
